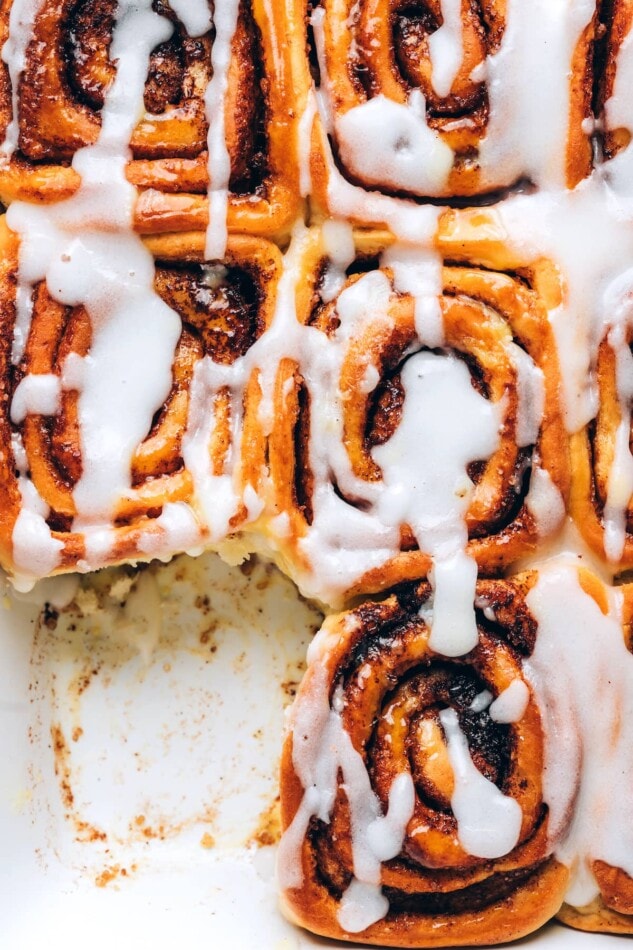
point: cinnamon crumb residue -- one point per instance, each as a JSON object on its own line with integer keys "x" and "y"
{"x": 207, "y": 840}
{"x": 111, "y": 873}
{"x": 84, "y": 831}
{"x": 141, "y": 828}
{"x": 268, "y": 829}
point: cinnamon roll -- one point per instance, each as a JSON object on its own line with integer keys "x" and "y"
{"x": 123, "y": 444}
{"x": 412, "y": 785}
{"x": 413, "y": 371}
{"x": 217, "y": 101}
{"x": 433, "y": 100}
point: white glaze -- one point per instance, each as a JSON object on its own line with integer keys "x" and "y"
{"x": 35, "y": 552}
{"x": 544, "y": 502}
{"x": 179, "y": 531}
{"x": 619, "y": 320}
{"x": 321, "y": 748}
{"x": 445, "y": 425}
{"x": 304, "y": 144}
{"x": 418, "y": 272}
{"x": 510, "y": 705}
{"x": 38, "y": 394}
{"x": 22, "y": 17}
{"x": 217, "y": 493}
{"x": 538, "y": 42}
{"x": 219, "y": 162}
{"x": 488, "y": 822}
{"x": 338, "y": 244}
{"x": 390, "y": 144}
{"x": 582, "y": 676}
{"x": 194, "y": 15}
{"x": 531, "y": 395}
{"x": 445, "y": 47}
{"x": 481, "y": 701}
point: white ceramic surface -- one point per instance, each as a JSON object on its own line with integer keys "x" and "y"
{"x": 138, "y": 757}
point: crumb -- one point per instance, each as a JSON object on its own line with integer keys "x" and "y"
{"x": 87, "y": 601}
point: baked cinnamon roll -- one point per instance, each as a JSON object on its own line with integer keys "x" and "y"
{"x": 412, "y": 785}
{"x": 414, "y": 372}
{"x": 430, "y": 801}
{"x": 126, "y": 441}
{"x": 217, "y": 102}
{"x": 432, "y": 100}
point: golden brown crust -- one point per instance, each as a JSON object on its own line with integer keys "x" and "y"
{"x": 243, "y": 310}
{"x": 61, "y": 92}
{"x": 511, "y": 918}
{"x": 484, "y": 313}
{"x": 439, "y": 894}
{"x": 595, "y": 918}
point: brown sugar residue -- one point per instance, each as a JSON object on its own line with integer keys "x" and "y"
{"x": 248, "y": 566}
{"x": 107, "y": 875}
{"x": 266, "y": 580}
{"x": 49, "y": 618}
{"x": 87, "y": 832}
{"x": 84, "y": 831}
{"x": 290, "y": 683}
{"x": 160, "y": 829}
{"x": 268, "y": 829}
{"x": 62, "y": 769}
{"x": 111, "y": 873}
{"x": 289, "y": 689}
{"x": 207, "y": 635}
{"x": 203, "y": 603}
{"x": 157, "y": 831}
{"x": 81, "y": 682}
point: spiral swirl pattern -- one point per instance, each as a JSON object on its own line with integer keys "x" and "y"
{"x": 392, "y": 694}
